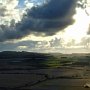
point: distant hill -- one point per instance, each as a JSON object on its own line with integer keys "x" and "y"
{"x": 23, "y": 54}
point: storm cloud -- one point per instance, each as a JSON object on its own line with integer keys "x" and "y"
{"x": 46, "y": 19}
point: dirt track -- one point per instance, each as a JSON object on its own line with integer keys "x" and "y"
{"x": 45, "y": 79}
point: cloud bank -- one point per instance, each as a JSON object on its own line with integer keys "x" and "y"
{"x": 46, "y": 19}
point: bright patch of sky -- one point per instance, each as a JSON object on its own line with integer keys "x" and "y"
{"x": 37, "y": 1}
{"x": 21, "y": 3}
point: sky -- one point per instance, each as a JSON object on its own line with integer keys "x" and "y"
{"x": 44, "y": 25}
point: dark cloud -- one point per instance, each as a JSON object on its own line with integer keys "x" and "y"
{"x": 2, "y": 11}
{"x": 9, "y": 46}
{"x": 45, "y": 19}
{"x": 52, "y": 10}
{"x": 50, "y": 18}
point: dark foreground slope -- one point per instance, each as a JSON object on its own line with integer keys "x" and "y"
{"x": 41, "y": 71}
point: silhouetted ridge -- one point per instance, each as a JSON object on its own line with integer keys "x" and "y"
{"x": 14, "y": 54}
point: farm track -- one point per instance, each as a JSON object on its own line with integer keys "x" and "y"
{"x": 44, "y": 76}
